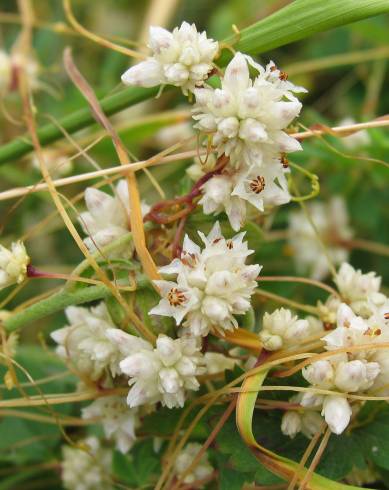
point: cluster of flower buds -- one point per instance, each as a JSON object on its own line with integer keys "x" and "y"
{"x": 355, "y": 362}
{"x": 245, "y": 118}
{"x": 212, "y": 285}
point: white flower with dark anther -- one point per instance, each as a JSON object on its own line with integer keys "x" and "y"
{"x": 183, "y": 58}
{"x": 282, "y": 329}
{"x": 108, "y": 217}
{"x": 13, "y": 264}
{"x": 212, "y": 284}
{"x": 337, "y": 413}
{"x": 331, "y": 222}
{"x": 88, "y": 468}
{"x": 118, "y": 420}
{"x": 185, "y": 458}
{"x": 161, "y": 374}
{"x": 247, "y": 117}
{"x": 218, "y": 363}
{"x": 262, "y": 187}
{"x": 358, "y": 288}
{"x": 85, "y": 343}
{"x": 291, "y": 423}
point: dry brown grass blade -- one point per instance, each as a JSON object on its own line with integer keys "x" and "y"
{"x": 136, "y": 218}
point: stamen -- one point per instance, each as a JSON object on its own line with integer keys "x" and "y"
{"x": 257, "y": 185}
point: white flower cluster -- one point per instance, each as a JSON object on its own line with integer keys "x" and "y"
{"x": 282, "y": 329}
{"x": 184, "y": 460}
{"x": 182, "y": 58}
{"x": 362, "y": 367}
{"x": 161, "y": 374}
{"x": 119, "y": 422}
{"x": 13, "y": 264}
{"x": 85, "y": 342}
{"x": 212, "y": 285}
{"x": 332, "y": 224}
{"x": 86, "y": 469}
{"x": 247, "y": 119}
{"x": 107, "y": 218}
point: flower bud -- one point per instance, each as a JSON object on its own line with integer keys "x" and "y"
{"x": 13, "y": 264}
{"x": 270, "y": 342}
{"x": 253, "y": 131}
{"x": 146, "y": 74}
{"x": 216, "y": 309}
{"x": 337, "y": 413}
{"x": 167, "y": 350}
{"x": 229, "y": 127}
{"x": 311, "y": 423}
{"x": 291, "y": 423}
{"x": 159, "y": 39}
{"x": 176, "y": 73}
{"x": 356, "y": 375}
{"x": 170, "y": 380}
{"x": 319, "y": 373}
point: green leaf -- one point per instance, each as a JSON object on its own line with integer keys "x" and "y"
{"x": 301, "y": 19}
{"x": 139, "y": 467}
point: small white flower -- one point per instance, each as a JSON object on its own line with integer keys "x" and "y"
{"x": 217, "y": 363}
{"x": 13, "y": 264}
{"x": 331, "y": 221}
{"x": 118, "y": 420}
{"x": 356, "y": 375}
{"x": 337, "y": 413}
{"x": 350, "y": 330}
{"x": 85, "y": 342}
{"x": 262, "y": 187}
{"x": 212, "y": 285}
{"x": 282, "y": 329}
{"x": 86, "y": 469}
{"x": 320, "y": 373}
{"x": 185, "y": 458}
{"x": 291, "y": 423}
{"x": 161, "y": 374}
{"x": 247, "y": 117}
{"x": 182, "y": 58}
{"x": 108, "y": 217}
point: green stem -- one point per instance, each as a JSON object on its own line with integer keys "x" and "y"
{"x": 76, "y": 121}
{"x": 53, "y": 304}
